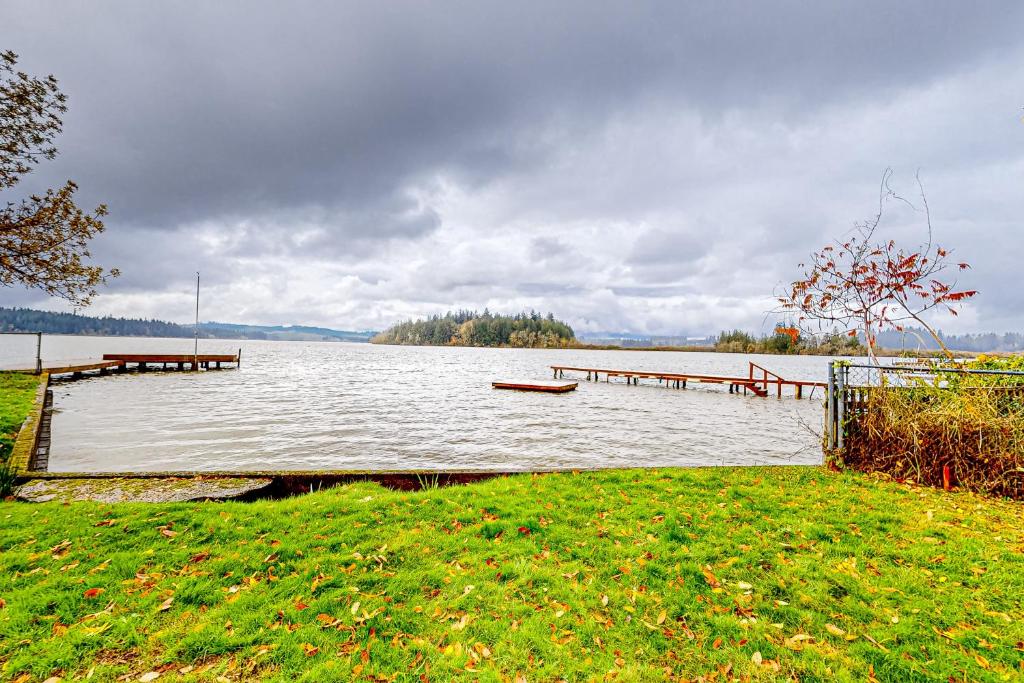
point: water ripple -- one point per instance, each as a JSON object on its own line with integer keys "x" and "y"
{"x": 343, "y": 406}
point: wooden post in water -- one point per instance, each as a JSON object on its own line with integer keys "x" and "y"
{"x": 195, "y": 349}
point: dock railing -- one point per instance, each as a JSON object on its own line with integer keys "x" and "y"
{"x": 768, "y": 377}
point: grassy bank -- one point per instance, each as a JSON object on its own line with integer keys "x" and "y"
{"x": 768, "y": 573}
{"x": 17, "y": 394}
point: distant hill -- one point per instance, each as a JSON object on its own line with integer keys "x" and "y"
{"x": 48, "y": 322}
{"x": 469, "y": 328}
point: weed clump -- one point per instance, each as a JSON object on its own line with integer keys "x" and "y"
{"x": 955, "y": 429}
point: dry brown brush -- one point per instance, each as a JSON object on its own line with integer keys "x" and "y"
{"x": 964, "y": 431}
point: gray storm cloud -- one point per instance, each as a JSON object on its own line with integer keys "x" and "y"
{"x": 657, "y": 167}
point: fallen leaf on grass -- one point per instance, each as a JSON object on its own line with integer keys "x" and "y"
{"x": 310, "y": 649}
{"x": 327, "y": 621}
{"x": 756, "y": 658}
{"x": 881, "y": 647}
{"x": 168, "y": 533}
{"x": 93, "y": 592}
{"x": 710, "y": 578}
{"x": 796, "y": 642}
{"x": 151, "y": 676}
{"x": 166, "y": 604}
{"x": 834, "y": 630}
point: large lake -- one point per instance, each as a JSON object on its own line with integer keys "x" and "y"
{"x": 299, "y": 405}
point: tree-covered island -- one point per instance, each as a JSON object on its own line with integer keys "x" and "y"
{"x": 469, "y": 328}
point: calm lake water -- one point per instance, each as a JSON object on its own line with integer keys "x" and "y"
{"x": 298, "y": 405}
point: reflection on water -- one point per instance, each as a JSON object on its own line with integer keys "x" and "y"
{"x": 297, "y": 405}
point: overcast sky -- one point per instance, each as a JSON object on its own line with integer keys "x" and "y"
{"x": 651, "y": 167}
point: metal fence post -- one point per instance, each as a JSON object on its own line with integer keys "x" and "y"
{"x": 39, "y": 353}
{"x": 841, "y": 407}
{"x": 830, "y": 408}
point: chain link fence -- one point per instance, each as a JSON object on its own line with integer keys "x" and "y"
{"x": 932, "y": 422}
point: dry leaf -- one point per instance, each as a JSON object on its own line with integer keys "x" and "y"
{"x": 166, "y": 604}
{"x": 834, "y": 630}
{"x": 151, "y": 676}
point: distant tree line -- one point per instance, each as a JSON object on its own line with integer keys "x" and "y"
{"x": 29, "y": 320}
{"x": 469, "y": 328}
{"x": 914, "y": 338}
{"x": 835, "y": 344}
{"x": 48, "y": 322}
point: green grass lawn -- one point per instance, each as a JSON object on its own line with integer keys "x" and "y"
{"x": 634, "y": 575}
{"x": 17, "y": 393}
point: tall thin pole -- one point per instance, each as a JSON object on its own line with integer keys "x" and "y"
{"x": 195, "y": 352}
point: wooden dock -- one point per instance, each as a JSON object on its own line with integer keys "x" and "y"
{"x": 759, "y": 381}
{"x": 141, "y": 362}
{"x": 205, "y": 361}
{"x": 547, "y": 387}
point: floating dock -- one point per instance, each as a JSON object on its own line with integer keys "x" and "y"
{"x": 547, "y": 387}
{"x": 758, "y": 381}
